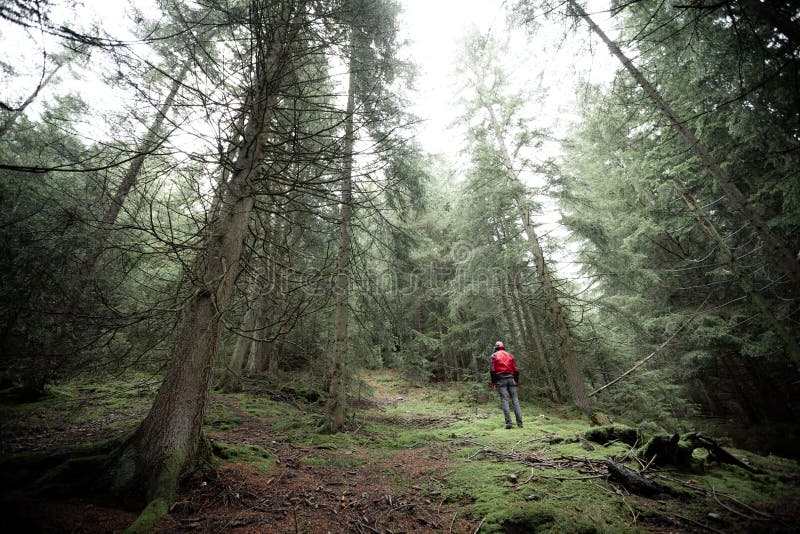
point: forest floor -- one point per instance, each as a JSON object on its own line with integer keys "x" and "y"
{"x": 433, "y": 459}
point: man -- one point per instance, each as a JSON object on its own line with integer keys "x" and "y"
{"x": 505, "y": 378}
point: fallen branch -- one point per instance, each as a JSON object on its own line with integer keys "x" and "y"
{"x": 643, "y": 360}
{"x": 480, "y": 524}
{"x": 636, "y": 483}
{"x": 699, "y": 524}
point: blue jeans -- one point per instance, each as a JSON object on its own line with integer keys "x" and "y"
{"x": 507, "y": 388}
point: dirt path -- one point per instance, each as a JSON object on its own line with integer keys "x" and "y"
{"x": 317, "y": 489}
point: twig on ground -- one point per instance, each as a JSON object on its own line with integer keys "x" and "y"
{"x": 574, "y": 478}
{"x": 699, "y": 524}
{"x": 365, "y": 526}
{"x": 453, "y": 522}
{"x": 480, "y": 525}
{"x": 649, "y": 463}
{"x": 526, "y": 481}
{"x": 764, "y": 516}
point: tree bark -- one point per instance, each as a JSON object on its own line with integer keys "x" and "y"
{"x": 167, "y": 443}
{"x": 572, "y": 365}
{"x": 231, "y": 380}
{"x": 778, "y": 250}
{"x": 335, "y": 410}
{"x": 516, "y": 338}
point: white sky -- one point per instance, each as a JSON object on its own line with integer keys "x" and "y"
{"x": 434, "y": 28}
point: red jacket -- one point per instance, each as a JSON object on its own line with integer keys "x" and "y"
{"x": 503, "y": 363}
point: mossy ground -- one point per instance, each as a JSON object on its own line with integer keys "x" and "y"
{"x": 418, "y": 459}
{"x": 76, "y": 412}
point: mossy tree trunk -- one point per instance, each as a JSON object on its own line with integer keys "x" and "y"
{"x": 168, "y": 442}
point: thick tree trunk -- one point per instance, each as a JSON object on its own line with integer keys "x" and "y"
{"x": 776, "y": 248}
{"x": 727, "y": 257}
{"x": 167, "y": 443}
{"x": 335, "y": 410}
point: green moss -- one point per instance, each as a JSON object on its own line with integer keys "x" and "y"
{"x": 252, "y": 454}
{"x": 113, "y": 402}
{"x": 338, "y": 461}
{"x": 220, "y": 417}
{"x": 545, "y": 517}
{"x": 302, "y": 392}
{"x": 147, "y": 519}
{"x": 166, "y": 482}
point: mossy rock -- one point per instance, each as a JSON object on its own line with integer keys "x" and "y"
{"x": 608, "y": 433}
{"x": 648, "y": 429}
{"x": 601, "y": 419}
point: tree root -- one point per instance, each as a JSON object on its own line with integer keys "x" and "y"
{"x": 144, "y": 523}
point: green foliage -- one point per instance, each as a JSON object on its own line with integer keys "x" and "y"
{"x": 220, "y": 417}
{"x": 251, "y": 454}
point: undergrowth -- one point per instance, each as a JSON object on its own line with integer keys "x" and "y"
{"x": 508, "y": 480}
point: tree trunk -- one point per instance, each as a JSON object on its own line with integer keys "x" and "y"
{"x": 150, "y": 141}
{"x": 777, "y": 249}
{"x": 571, "y": 363}
{"x": 727, "y": 257}
{"x": 231, "y": 380}
{"x": 337, "y": 394}
{"x": 536, "y": 337}
{"x": 516, "y": 339}
{"x": 167, "y": 443}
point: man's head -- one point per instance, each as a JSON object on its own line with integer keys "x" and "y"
{"x": 499, "y": 346}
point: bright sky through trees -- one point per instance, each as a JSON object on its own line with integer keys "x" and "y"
{"x": 551, "y": 64}
{"x": 434, "y": 30}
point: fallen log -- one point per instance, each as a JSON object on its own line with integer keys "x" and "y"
{"x": 636, "y": 483}
{"x": 676, "y": 450}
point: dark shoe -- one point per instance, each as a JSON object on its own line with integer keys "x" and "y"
{"x": 509, "y": 426}
{"x": 519, "y": 425}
